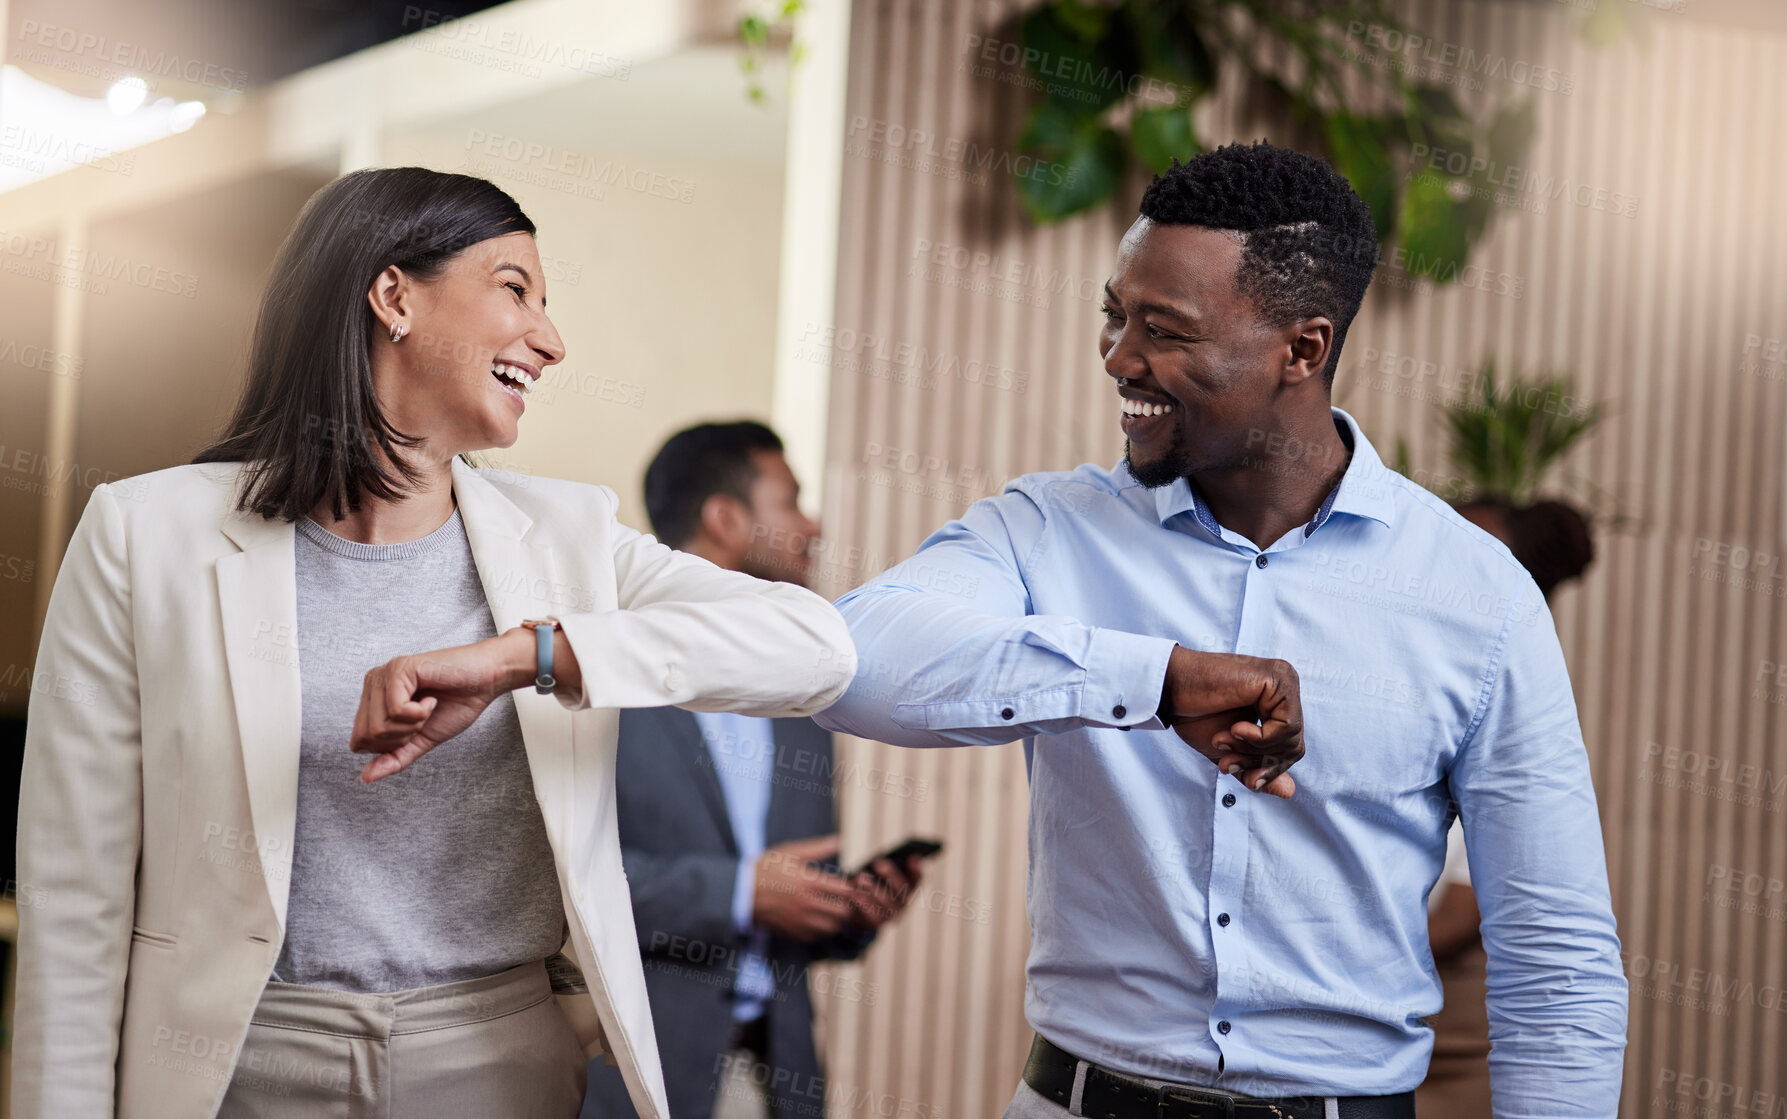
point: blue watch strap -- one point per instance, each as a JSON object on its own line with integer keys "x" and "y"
{"x": 543, "y": 679}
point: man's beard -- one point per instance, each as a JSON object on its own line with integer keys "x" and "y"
{"x": 1164, "y": 471}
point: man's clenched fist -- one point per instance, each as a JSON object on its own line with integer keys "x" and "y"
{"x": 1243, "y": 713}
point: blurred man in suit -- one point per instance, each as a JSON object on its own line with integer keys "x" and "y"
{"x": 727, "y": 827}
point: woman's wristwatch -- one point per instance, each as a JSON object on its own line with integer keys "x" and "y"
{"x": 544, "y": 681}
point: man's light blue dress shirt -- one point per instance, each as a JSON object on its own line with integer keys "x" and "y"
{"x": 1188, "y": 929}
{"x": 744, "y": 755}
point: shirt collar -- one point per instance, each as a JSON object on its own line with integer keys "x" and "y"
{"x": 1363, "y": 491}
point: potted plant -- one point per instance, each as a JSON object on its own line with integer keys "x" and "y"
{"x": 1501, "y": 442}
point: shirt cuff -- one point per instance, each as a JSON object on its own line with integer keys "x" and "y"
{"x": 1125, "y": 674}
{"x": 1117, "y": 685}
{"x": 744, "y": 893}
{"x": 576, "y": 630}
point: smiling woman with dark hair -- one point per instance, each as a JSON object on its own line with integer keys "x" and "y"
{"x": 243, "y": 918}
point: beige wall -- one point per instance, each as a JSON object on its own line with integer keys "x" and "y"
{"x": 163, "y": 368}
{"x": 151, "y": 369}
{"x": 667, "y": 307}
{"x": 29, "y": 362}
{"x": 1651, "y": 313}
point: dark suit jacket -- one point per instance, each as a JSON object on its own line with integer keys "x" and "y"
{"x": 682, "y": 864}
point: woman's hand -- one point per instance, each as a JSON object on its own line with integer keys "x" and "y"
{"x": 411, "y": 704}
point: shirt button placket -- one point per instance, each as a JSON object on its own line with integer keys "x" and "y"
{"x": 1228, "y": 868}
{"x": 1230, "y": 823}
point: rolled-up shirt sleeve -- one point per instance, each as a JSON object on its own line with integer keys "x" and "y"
{"x": 1557, "y": 992}
{"x": 949, "y": 653}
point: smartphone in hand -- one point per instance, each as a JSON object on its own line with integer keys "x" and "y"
{"x": 912, "y": 848}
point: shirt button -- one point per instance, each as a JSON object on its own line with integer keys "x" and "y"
{"x": 1228, "y": 800}
{"x": 1222, "y": 1026}
{"x": 1223, "y": 920}
{"x": 1118, "y": 711}
{"x": 1260, "y": 560}
{"x": 1007, "y": 713}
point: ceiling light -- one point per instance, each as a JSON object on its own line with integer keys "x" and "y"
{"x": 185, "y": 115}
{"x": 126, "y": 95}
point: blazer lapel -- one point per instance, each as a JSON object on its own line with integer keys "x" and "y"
{"x": 788, "y": 801}
{"x": 258, "y": 598}
{"x": 518, "y": 586}
{"x": 704, "y": 769}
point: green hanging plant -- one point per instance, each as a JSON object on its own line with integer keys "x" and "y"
{"x": 755, "y": 30}
{"x": 1120, "y": 79}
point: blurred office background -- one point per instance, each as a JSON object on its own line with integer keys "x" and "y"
{"x": 838, "y": 246}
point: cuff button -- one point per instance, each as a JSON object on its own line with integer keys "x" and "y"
{"x": 1007, "y": 713}
{"x": 1118, "y": 711}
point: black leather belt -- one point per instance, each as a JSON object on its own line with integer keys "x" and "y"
{"x": 1111, "y": 1095}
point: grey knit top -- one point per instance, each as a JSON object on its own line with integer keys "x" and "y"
{"x": 442, "y": 872}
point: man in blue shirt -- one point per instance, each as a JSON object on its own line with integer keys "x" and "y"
{"x": 1191, "y": 940}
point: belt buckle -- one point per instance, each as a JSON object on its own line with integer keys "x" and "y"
{"x": 1166, "y": 1096}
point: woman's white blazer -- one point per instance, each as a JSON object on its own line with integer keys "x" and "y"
{"x": 161, "y": 765}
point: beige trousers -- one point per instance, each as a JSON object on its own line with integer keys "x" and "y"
{"x": 497, "y": 1046}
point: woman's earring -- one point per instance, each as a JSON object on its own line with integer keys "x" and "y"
{"x": 397, "y": 332}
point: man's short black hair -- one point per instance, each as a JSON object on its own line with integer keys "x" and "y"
{"x": 696, "y": 463}
{"x": 1309, "y": 245}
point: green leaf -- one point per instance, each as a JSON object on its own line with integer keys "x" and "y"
{"x": 1511, "y": 133}
{"x": 1075, "y": 163}
{"x": 1452, "y": 147}
{"x": 1357, "y": 148}
{"x": 1162, "y": 135}
{"x": 1049, "y": 128}
{"x": 1436, "y": 102}
{"x": 1504, "y": 440}
{"x": 1082, "y": 62}
{"x": 1171, "y": 50}
{"x": 1473, "y": 212}
{"x": 1088, "y": 21}
{"x": 1433, "y": 232}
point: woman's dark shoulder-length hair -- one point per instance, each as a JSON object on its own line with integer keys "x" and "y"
{"x": 308, "y": 423}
